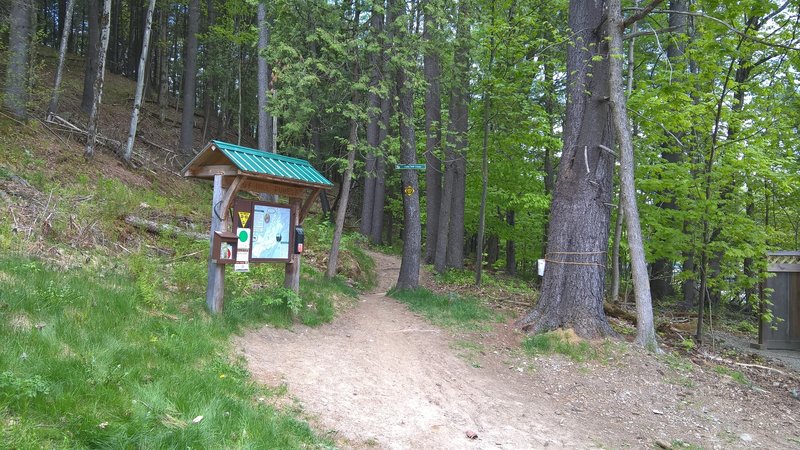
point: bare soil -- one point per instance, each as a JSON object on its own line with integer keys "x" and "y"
{"x": 380, "y": 376}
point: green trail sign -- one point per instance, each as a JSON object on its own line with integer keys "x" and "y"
{"x": 410, "y": 167}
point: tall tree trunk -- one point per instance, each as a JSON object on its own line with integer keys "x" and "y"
{"x": 574, "y": 279}
{"x": 511, "y": 249}
{"x": 376, "y": 234}
{"x": 341, "y": 210}
{"x": 92, "y": 54}
{"x": 450, "y": 237}
{"x": 142, "y": 74}
{"x": 115, "y": 42}
{"x": 460, "y": 122}
{"x": 163, "y": 83}
{"x": 662, "y": 268}
{"x": 646, "y": 333}
{"x": 264, "y": 118}
{"x": 190, "y": 79}
{"x": 66, "y": 24}
{"x": 373, "y": 125}
{"x": 98, "y": 80}
{"x": 433, "y": 132}
{"x": 19, "y": 49}
{"x": 487, "y": 101}
{"x": 412, "y": 242}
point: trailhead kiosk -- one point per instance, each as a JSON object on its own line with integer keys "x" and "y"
{"x": 250, "y": 231}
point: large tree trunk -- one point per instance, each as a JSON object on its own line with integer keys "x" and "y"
{"x": 19, "y": 48}
{"x": 142, "y": 74}
{"x": 646, "y": 332}
{"x": 574, "y": 279}
{"x": 65, "y": 25}
{"x": 189, "y": 79}
{"x": 412, "y": 242}
{"x": 264, "y": 118}
{"x": 92, "y": 54}
{"x": 433, "y": 134}
{"x": 98, "y": 80}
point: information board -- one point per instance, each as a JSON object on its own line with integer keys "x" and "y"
{"x": 271, "y": 232}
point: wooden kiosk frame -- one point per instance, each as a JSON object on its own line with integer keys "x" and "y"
{"x": 234, "y": 168}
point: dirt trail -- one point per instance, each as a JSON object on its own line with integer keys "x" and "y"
{"x": 383, "y": 377}
{"x": 380, "y": 376}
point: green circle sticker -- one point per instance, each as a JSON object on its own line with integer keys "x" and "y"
{"x": 243, "y": 235}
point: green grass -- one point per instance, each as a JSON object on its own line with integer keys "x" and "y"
{"x": 92, "y": 359}
{"x": 452, "y": 311}
{"x": 737, "y": 376}
{"x": 556, "y": 342}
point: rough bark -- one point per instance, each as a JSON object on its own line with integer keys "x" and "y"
{"x": 98, "y": 80}
{"x": 574, "y": 279}
{"x": 433, "y": 135}
{"x": 142, "y": 74}
{"x": 412, "y": 229}
{"x": 412, "y": 242}
{"x": 19, "y": 48}
{"x": 92, "y": 54}
{"x": 646, "y": 333}
{"x": 65, "y": 26}
{"x": 190, "y": 79}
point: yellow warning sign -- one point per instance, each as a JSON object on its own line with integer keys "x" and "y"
{"x": 244, "y": 217}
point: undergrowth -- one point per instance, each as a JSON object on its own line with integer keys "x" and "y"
{"x": 453, "y": 311}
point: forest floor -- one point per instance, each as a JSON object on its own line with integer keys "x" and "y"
{"x": 381, "y": 376}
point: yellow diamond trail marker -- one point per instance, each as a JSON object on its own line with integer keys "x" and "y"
{"x": 244, "y": 217}
{"x": 409, "y": 191}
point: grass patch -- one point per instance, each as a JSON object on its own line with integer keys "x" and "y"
{"x": 563, "y": 342}
{"x": 451, "y": 311}
{"x": 737, "y": 376}
{"x": 92, "y": 359}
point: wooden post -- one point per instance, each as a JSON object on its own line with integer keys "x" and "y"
{"x": 291, "y": 278}
{"x": 216, "y": 272}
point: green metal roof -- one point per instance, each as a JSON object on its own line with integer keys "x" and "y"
{"x": 251, "y": 160}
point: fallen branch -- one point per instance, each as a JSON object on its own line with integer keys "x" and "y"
{"x": 163, "y": 228}
{"x": 728, "y": 361}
